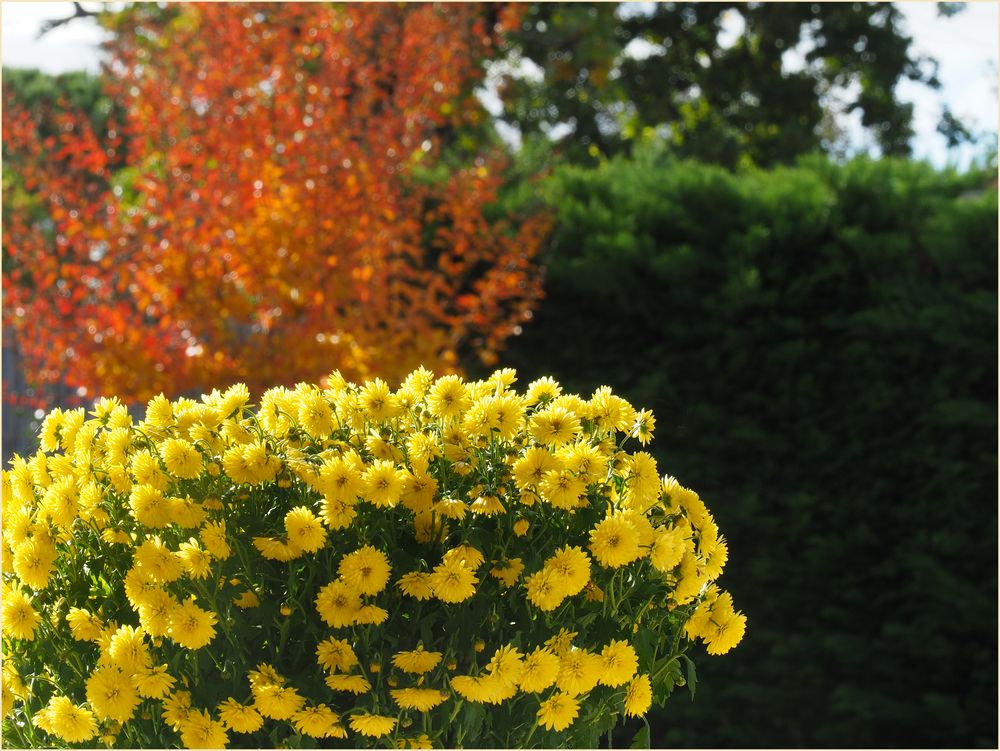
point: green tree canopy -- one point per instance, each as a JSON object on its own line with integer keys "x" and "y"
{"x": 723, "y": 82}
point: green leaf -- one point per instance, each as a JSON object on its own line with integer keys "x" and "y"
{"x": 641, "y": 739}
{"x": 692, "y": 675}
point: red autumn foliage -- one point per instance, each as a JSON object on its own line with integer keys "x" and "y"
{"x": 286, "y": 205}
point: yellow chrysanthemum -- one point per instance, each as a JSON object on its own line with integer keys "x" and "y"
{"x": 199, "y": 730}
{"x": 153, "y": 683}
{"x": 448, "y": 397}
{"x": 34, "y": 561}
{"x": 181, "y": 458}
{"x": 579, "y": 671}
{"x": 19, "y": 617}
{"x": 84, "y": 625}
{"x": 614, "y": 542}
{"x": 417, "y": 585}
{"x": 420, "y": 699}
{"x": 619, "y": 663}
{"x": 544, "y": 590}
{"x": 539, "y": 670}
{"x": 377, "y": 401}
{"x": 336, "y": 654}
{"x": 338, "y": 604}
{"x": 277, "y": 702}
{"x": 191, "y": 626}
{"x": 554, "y": 426}
{"x": 384, "y": 483}
{"x": 196, "y": 561}
{"x": 318, "y": 722}
{"x": 452, "y": 581}
{"x": 238, "y": 717}
{"x": 304, "y": 529}
{"x": 508, "y": 571}
{"x": 372, "y": 725}
{"x": 72, "y": 723}
{"x": 111, "y": 694}
{"x": 638, "y": 696}
{"x": 354, "y": 684}
{"x": 558, "y": 712}
{"x": 128, "y": 650}
{"x": 418, "y": 661}
{"x": 572, "y": 568}
{"x": 365, "y": 571}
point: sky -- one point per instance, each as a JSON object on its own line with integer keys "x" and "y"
{"x": 965, "y": 45}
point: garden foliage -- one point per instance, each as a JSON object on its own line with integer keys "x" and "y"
{"x": 821, "y": 342}
{"x": 449, "y": 563}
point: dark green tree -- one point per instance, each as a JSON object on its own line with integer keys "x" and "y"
{"x": 819, "y": 346}
{"x": 721, "y": 82}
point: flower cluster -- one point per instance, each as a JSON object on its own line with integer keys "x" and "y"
{"x": 442, "y": 563}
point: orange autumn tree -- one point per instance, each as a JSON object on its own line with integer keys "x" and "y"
{"x": 285, "y": 205}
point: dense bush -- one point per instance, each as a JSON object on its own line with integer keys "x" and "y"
{"x": 820, "y": 343}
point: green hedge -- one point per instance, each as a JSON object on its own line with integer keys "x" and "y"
{"x": 819, "y": 345}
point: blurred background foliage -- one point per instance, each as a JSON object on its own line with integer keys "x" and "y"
{"x": 816, "y": 335}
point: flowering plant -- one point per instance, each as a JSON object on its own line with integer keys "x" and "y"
{"x": 446, "y": 564}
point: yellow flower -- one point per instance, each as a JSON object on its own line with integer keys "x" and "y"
{"x": 340, "y": 478}
{"x": 418, "y": 661}
{"x": 371, "y": 615}
{"x": 276, "y": 550}
{"x": 337, "y": 604}
{"x": 277, "y": 702}
{"x": 416, "y": 584}
{"x": 336, "y": 654}
{"x": 156, "y": 609}
{"x": 191, "y": 626}
{"x": 72, "y": 723}
{"x": 181, "y": 458}
{"x": 84, "y": 625}
{"x": 365, "y": 571}
{"x": 542, "y": 390}
{"x": 128, "y": 650}
{"x": 453, "y": 581}
{"x": 176, "y": 708}
{"x": 668, "y": 549}
{"x": 247, "y": 599}
{"x": 318, "y": 722}
{"x": 533, "y": 466}
{"x": 111, "y": 694}
{"x": 153, "y": 683}
{"x": 619, "y": 663}
{"x": 448, "y": 397}
{"x": 638, "y": 696}
{"x": 521, "y": 527}
{"x": 572, "y": 568}
{"x": 614, "y": 542}
{"x": 508, "y": 571}
{"x": 315, "y": 415}
{"x": 238, "y": 717}
{"x": 19, "y": 617}
{"x": 467, "y": 555}
{"x": 544, "y": 590}
{"x": 579, "y": 671}
{"x": 355, "y": 684}
{"x": 558, "y": 712}
{"x": 378, "y": 402}
{"x": 644, "y": 426}
{"x": 384, "y": 484}
{"x": 372, "y": 725}
{"x": 420, "y": 699}
{"x": 304, "y": 530}
{"x": 554, "y": 426}
{"x": 199, "y": 730}
{"x": 562, "y": 489}
{"x": 156, "y": 561}
{"x": 539, "y": 670}
{"x": 34, "y": 561}
{"x": 506, "y": 665}
{"x": 197, "y": 562}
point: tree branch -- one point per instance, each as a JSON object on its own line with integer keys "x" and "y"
{"x": 78, "y": 12}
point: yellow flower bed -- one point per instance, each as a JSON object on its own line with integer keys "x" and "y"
{"x": 446, "y": 564}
